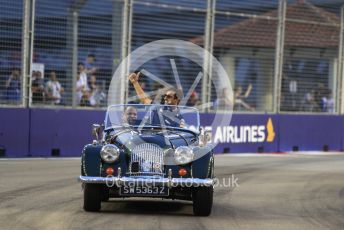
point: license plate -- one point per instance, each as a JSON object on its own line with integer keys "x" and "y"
{"x": 143, "y": 191}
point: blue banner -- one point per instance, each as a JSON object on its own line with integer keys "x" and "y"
{"x": 40, "y": 132}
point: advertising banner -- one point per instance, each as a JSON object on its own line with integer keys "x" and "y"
{"x": 63, "y": 132}
{"x": 246, "y": 133}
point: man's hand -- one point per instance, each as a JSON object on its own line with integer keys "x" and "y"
{"x": 133, "y": 77}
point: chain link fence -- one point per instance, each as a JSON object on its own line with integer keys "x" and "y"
{"x": 11, "y": 34}
{"x": 281, "y": 56}
{"x": 310, "y": 59}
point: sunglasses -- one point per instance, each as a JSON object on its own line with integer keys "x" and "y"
{"x": 132, "y": 114}
{"x": 169, "y": 96}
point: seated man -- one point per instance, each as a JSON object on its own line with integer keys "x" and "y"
{"x": 167, "y": 116}
{"x": 130, "y": 116}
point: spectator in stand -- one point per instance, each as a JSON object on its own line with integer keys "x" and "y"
{"x": 327, "y": 102}
{"x": 89, "y": 65}
{"x": 309, "y": 104}
{"x": 239, "y": 98}
{"x": 82, "y": 94}
{"x": 37, "y": 87}
{"x": 193, "y": 100}
{"x": 82, "y": 88}
{"x": 13, "y": 86}
{"x": 53, "y": 89}
{"x": 320, "y": 94}
{"x": 224, "y": 101}
{"x": 96, "y": 94}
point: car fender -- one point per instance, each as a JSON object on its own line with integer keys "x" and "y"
{"x": 201, "y": 168}
{"x": 90, "y": 160}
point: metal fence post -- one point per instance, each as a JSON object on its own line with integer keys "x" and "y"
{"x": 75, "y": 20}
{"x": 126, "y": 46}
{"x": 339, "y": 97}
{"x": 72, "y": 44}
{"x": 208, "y": 45}
{"x": 279, "y": 54}
{"x": 27, "y": 48}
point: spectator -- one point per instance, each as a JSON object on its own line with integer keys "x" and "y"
{"x": 224, "y": 101}
{"x": 309, "y": 104}
{"x": 290, "y": 99}
{"x": 240, "y": 98}
{"x": 293, "y": 94}
{"x": 89, "y": 65}
{"x": 82, "y": 88}
{"x": 96, "y": 94}
{"x": 37, "y": 87}
{"x": 13, "y": 86}
{"x": 320, "y": 94}
{"x": 53, "y": 89}
{"x": 327, "y": 102}
{"x": 193, "y": 100}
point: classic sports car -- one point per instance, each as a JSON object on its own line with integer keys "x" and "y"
{"x": 149, "y": 151}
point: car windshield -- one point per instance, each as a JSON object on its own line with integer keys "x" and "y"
{"x": 159, "y": 116}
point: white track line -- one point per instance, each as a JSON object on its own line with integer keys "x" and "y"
{"x": 39, "y": 158}
{"x": 286, "y": 154}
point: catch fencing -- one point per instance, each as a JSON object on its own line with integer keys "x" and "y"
{"x": 281, "y": 56}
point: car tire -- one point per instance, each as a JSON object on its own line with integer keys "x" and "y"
{"x": 92, "y": 197}
{"x": 105, "y": 195}
{"x": 202, "y": 200}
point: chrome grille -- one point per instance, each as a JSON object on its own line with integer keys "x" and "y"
{"x": 150, "y": 158}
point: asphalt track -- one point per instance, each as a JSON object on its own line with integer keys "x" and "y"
{"x": 275, "y": 192}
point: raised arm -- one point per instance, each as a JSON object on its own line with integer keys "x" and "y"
{"x": 134, "y": 79}
{"x": 248, "y": 91}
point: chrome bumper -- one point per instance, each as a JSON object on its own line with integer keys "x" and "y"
{"x": 146, "y": 181}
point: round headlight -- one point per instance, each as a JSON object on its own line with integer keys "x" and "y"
{"x": 109, "y": 153}
{"x": 183, "y": 155}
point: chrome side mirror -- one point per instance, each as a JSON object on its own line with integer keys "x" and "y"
{"x": 96, "y": 131}
{"x": 205, "y": 136}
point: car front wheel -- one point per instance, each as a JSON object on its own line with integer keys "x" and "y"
{"x": 92, "y": 197}
{"x": 202, "y": 200}
{"x": 104, "y": 194}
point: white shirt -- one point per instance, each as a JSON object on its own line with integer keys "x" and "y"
{"x": 81, "y": 83}
{"x": 54, "y": 88}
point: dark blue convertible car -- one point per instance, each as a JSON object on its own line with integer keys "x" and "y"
{"x": 149, "y": 151}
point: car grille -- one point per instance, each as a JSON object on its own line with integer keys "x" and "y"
{"x": 147, "y": 159}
